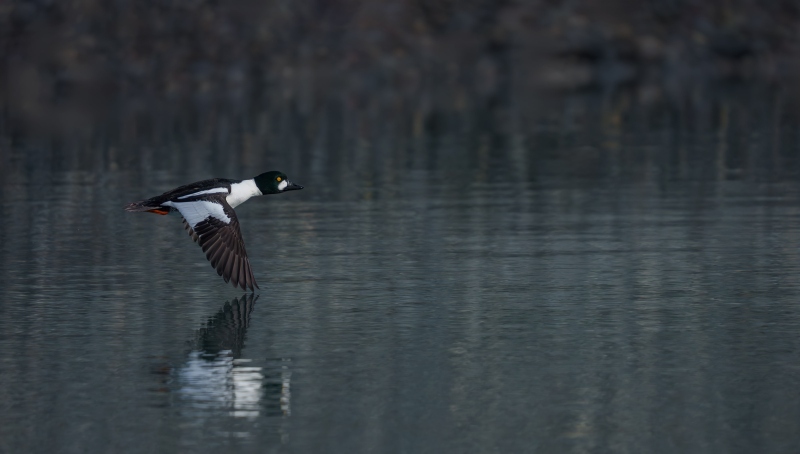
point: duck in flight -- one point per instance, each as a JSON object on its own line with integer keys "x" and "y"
{"x": 207, "y": 210}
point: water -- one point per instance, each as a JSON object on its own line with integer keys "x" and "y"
{"x": 609, "y": 274}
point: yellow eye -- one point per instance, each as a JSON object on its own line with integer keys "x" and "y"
{"x": 278, "y": 179}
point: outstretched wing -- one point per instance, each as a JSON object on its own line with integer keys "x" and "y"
{"x": 212, "y": 223}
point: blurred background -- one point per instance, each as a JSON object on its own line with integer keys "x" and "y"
{"x": 249, "y": 78}
{"x": 64, "y": 65}
{"x": 550, "y": 226}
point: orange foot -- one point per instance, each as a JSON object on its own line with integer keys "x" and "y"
{"x": 161, "y": 211}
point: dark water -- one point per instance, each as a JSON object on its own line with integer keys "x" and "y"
{"x": 608, "y": 273}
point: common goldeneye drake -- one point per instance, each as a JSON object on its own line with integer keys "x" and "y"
{"x": 207, "y": 210}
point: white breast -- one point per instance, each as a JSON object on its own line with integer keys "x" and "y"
{"x": 242, "y": 191}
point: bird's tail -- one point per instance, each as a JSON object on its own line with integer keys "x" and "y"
{"x": 144, "y": 206}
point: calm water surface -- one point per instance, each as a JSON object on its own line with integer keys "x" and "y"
{"x": 613, "y": 276}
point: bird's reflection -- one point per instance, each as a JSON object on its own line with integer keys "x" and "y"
{"x": 216, "y": 377}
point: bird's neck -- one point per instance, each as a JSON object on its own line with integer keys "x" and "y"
{"x": 242, "y": 191}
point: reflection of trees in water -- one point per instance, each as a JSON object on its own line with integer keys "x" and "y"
{"x": 379, "y": 131}
{"x": 216, "y": 377}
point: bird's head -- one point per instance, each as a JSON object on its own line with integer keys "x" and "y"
{"x": 275, "y": 182}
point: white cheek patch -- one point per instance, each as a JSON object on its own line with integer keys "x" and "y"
{"x": 196, "y": 212}
{"x": 207, "y": 191}
{"x": 282, "y": 185}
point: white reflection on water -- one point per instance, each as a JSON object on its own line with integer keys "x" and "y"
{"x": 215, "y": 377}
{"x": 221, "y": 382}
{"x": 285, "y": 392}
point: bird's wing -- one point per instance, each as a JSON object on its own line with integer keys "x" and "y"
{"x": 190, "y": 231}
{"x": 212, "y": 223}
{"x": 187, "y": 192}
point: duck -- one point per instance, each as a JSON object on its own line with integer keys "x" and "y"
{"x": 208, "y": 216}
